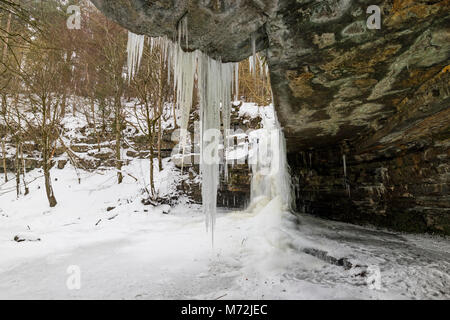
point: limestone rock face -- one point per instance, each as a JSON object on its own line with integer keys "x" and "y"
{"x": 220, "y": 28}
{"x": 380, "y": 96}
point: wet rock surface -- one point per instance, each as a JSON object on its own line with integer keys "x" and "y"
{"x": 403, "y": 188}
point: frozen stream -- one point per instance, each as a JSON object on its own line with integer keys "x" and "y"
{"x": 151, "y": 255}
{"x": 138, "y": 252}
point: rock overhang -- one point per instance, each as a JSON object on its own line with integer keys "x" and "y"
{"x": 333, "y": 79}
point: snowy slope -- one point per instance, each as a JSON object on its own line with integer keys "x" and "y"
{"x": 143, "y": 253}
{"x": 127, "y": 250}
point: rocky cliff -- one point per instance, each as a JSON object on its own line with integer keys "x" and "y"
{"x": 380, "y": 96}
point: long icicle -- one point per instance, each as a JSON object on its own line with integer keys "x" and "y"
{"x": 184, "y": 64}
{"x": 236, "y": 81}
{"x": 135, "y": 47}
{"x": 215, "y": 87}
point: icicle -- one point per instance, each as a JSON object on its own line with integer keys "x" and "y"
{"x": 226, "y": 86}
{"x": 209, "y": 119}
{"x": 236, "y": 81}
{"x": 261, "y": 66}
{"x": 135, "y": 47}
{"x": 253, "y": 57}
{"x": 184, "y": 67}
{"x": 347, "y": 186}
{"x": 184, "y": 70}
{"x": 214, "y": 83}
{"x": 345, "y": 166}
{"x": 182, "y": 30}
{"x": 185, "y": 31}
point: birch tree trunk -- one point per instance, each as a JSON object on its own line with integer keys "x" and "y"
{"x": 4, "y": 159}
{"x": 4, "y": 56}
{"x": 24, "y": 170}
{"x": 46, "y": 156}
{"x": 118, "y": 140}
{"x": 48, "y": 182}
{"x": 17, "y": 165}
{"x": 160, "y": 109}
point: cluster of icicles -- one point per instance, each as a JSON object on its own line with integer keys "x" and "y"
{"x": 216, "y": 82}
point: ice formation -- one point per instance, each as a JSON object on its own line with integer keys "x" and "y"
{"x": 252, "y": 59}
{"x": 135, "y": 47}
{"x": 345, "y": 166}
{"x": 347, "y": 186}
{"x": 236, "y": 81}
{"x": 184, "y": 67}
{"x": 268, "y": 163}
{"x": 216, "y": 82}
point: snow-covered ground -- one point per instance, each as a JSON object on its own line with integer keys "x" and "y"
{"x": 139, "y": 252}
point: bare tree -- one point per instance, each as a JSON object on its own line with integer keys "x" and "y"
{"x": 42, "y": 77}
{"x": 114, "y": 53}
{"x": 148, "y": 113}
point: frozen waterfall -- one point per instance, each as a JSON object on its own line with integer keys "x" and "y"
{"x": 268, "y": 162}
{"x": 216, "y": 82}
